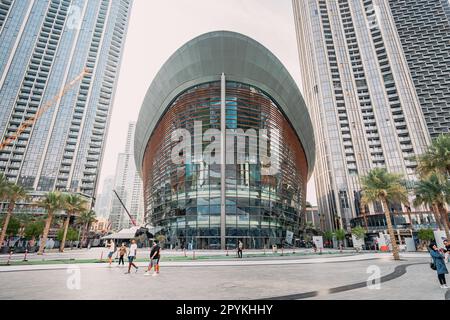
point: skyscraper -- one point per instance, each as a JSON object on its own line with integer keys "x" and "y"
{"x": 128, "y": 185}
{"x": 104, "y": 199}
{"x": 365, "y": 109}
{"x": 45, "y": 45}
{"x": 424, "y": 30}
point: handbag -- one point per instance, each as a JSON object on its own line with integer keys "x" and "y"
{"x": 432, "y": 264}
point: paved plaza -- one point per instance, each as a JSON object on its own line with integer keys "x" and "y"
{"x": 340, "y": 276}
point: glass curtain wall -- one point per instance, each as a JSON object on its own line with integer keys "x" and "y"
{"x": 185, "y": 199}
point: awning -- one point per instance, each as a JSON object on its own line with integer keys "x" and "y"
{"x": 124, "y": 234}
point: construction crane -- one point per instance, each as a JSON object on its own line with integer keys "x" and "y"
{"x": 126, "y": 210}
{"x": 32, "y": 120}
{"x": 141, "y": 230}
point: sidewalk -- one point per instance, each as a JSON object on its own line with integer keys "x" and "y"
{"x": 97, "y": 255}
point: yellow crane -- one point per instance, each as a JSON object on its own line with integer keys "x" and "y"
{"x": 32, "y": 120}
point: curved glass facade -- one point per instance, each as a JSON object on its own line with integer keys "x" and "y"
{"x": 185, "y": 199}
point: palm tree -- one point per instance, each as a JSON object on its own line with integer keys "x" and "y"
{"x": 3, "y": 186}
{"x": 436, "y": 158}
{"x": 328, "y": 236}
{"x": 340, "y": 237}
{"x": 380, "y": 185}
{"x": 51, "y": 202}
{"x": 73, "y": 204}
{"x": 435, "y": 193}
{"x": 86, "y": 218}
{"x": 12, "y": 193}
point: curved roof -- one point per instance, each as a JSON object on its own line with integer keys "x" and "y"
{"x": 242, "y": 59}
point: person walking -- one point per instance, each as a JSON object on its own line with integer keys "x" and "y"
{"x": 122, "y": 253}
{"x": 112, "y": 249}
{"x": 131, "y": 256}
{"x": 439, "y": 264}
{"x": 155, "y": 255}
{"x": 240, "y": 247}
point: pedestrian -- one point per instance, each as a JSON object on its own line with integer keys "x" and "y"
{"x": 240, "y": 247}
{"x": 447, "y": 250}
{"x": 439, "y": 264}
{"x": 112, "y": 249}
{"x": 132, "y": 255}
{"x": 122, "y": 253}
{"x": 155, "y": 255}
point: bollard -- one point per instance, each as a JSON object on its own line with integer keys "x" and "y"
{"x": 25, "y": 257}
{"x": 227, "y": 251}
{"x": 282, "y": 251}
{"x": 101, "y": 257}
{"x": 264, "y": 250}
{"x": 193, "y": 255}
{"x": 185, "y": 255}
{"x": 9, "y": 258}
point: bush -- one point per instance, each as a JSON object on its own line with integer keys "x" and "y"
{"x": 72, "y": 234}
{"x": 34, "y": 229}
{"x": 359, "y": 232}
{"x": 426, "y": 234}
{"x": 328, "y": 235}
{"x": 13, "y": 226}
{"x": 161, "y": 238}
{"x": 340, "y": 234}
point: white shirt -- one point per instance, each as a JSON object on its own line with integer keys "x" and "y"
{"x": 133, "y": 249}
{"x": 112, "y": 247}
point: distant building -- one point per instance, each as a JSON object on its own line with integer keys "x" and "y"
{"x": 313, "y": 216}
{"x": 104, "y": 199}
{"x": 128, "y": 185}
{"x": 102, "y": 226}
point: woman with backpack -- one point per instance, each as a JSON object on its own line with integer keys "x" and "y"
{"x": 438, "y": 264}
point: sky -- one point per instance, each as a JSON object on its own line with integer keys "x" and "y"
{"x": 158, "y": 28}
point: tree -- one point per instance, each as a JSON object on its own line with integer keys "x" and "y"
{"x": 73, "y": 204}
{"x": 425, "y": 235}
{"x": 3, "y": 186}
{"x": 161, "y": 238}
{"x": 34, "y": 229}
{"x": 11, "y": 193}
{"x": 70, "y": 234}
{"x": 51, "y": 202}
{"x": 86, "y": 218}
{"x": 433, "y": 192}
{"x": 359, "y": 232}
{"x": 328, "y": 235}
{"x": 437, "y": 158}
{"x": 340, "y": 237}
{"x": 380, "y": 185}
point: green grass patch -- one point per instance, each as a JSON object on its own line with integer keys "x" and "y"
{"x": 179, "y": 258}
